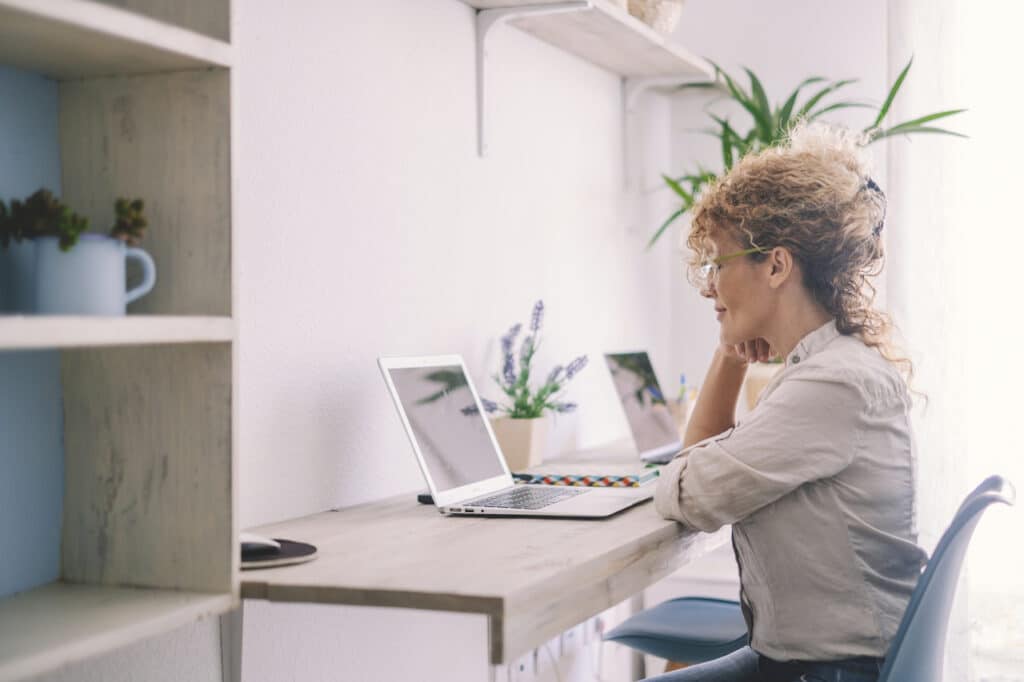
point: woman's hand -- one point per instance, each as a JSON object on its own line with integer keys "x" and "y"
{"x": 755, "y": 350}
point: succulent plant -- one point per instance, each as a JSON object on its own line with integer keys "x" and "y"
{"x": 130, "y": 223}
{"x": 43, "y": 215}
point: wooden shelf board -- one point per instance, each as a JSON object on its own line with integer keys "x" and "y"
{"x": 57, "y": 624}
{"x": 68, "y": 39}
{"x": 608, "y": 36}
{"x": 20, "y": 332}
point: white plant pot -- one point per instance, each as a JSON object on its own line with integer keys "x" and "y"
{"x": 522, "y": 441}
{"x": 661, "y": 15}
{"x": 18, "y": 277}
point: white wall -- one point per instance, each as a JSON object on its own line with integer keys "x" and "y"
{"x": 371, "y": 227}
{"x": 955, "y": 277}
{"x": 783, "y": 43}
{"x": 925, "y": 272}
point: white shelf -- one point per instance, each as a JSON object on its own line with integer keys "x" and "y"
{"x": 608, "y": 36}
{"x": 52, "y": 626}
{"x": 78, "y": 38}
{"x": 29, "y": 331}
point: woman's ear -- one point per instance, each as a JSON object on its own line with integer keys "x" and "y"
{"x": 781, "y": 264}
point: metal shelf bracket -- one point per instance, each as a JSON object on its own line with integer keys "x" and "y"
{"x": 632, "y": 88}
{"x": 487, "y": 21}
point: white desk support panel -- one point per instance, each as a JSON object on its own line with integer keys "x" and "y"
{"x": 398, "y": 553}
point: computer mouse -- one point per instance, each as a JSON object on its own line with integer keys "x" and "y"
{"x": 252, "y": 543}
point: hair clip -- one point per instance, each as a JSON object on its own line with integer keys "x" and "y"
{"x": 873, "y": 186}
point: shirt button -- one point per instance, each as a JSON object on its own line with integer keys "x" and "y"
{"x": 796, "y": 359}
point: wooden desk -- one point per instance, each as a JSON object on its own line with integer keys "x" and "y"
{"x": 532, "y": 578}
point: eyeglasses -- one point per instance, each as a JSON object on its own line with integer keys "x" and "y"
{"x": 708, "y": 270}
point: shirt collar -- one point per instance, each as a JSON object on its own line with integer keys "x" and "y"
{"x": 812, "y": 343}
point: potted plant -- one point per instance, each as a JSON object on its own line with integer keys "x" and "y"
{"x": 661, "y": 15}
{"x": 56, "y": 267}
{"x": 771, "y": 126}
{"x": 523, "y": 428}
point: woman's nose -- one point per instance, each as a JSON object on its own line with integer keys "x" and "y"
{"x": 708, "y": 290}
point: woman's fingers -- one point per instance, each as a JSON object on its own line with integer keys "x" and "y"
{"x": 763, "y": 351}
{"x": 749, "y": 351}
{"x": 754, "y": 350}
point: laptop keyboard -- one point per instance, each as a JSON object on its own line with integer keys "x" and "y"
{"x": 528, "y": 497}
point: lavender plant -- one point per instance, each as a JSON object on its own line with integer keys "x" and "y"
{"x": 523, "y": 402}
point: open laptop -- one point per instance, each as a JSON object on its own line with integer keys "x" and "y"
{"x": 650, "y": 421}
{"x": 460, "y": 458}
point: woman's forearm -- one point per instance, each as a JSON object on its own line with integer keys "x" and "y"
{"x": 715, "y": 410}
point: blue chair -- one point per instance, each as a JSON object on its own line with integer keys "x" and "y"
{"x": 685, "y": 630}
{"x": 917, "y": 651}
{"x": 692, "y": 630}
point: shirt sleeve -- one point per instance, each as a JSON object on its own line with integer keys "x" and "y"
{"x": 806, "y": 429}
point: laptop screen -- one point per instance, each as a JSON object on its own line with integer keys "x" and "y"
{"x": 449, "y": 429}
{"x": 647, "y": 412}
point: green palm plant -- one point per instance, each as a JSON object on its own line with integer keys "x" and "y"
{"x": 771, "y": 125}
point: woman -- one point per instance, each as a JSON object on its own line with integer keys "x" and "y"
{"x": 818, "y": 479}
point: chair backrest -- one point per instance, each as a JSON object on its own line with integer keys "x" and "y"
{"x": 918, "y": 649}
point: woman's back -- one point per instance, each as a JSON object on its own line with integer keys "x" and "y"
{"x": 818, "y": 482}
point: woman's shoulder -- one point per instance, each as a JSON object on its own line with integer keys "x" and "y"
{"x": 848, "y": 360}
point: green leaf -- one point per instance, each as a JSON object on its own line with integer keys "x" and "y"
{"x": 760, "y": 100}
{"x": 891, "y": 96}
{"x": 782, "y": 118}
{"x": 914, "y": 131}
{"x": 678, "y": 189}
{"x": 824, "y": 92}
{"x": 925, "y": 119}
{"x": 700, "y": 85}
{"x": 740, "y": 96}
{"x": 730, "y": 138}
{"x": 664, "y": 226}
{"x": 839, "y": 105}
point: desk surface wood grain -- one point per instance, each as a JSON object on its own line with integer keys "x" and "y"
{"x": 533, "y": 578}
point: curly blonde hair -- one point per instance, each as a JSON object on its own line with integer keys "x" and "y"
{"x": 814, "y": 196}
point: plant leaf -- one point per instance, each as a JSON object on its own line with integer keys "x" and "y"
{"x": 700, "y": 85}
{"x": 740, "y": 96}
{"x": 914, "y": 131}
{"x": 730, "y": 138}
{"x": 925, "y": 119}
{"x": 891, "y": 96}
{"x": 664, "y": 225}
{"x": 824, "y": 92}
{"x": 839, "y": 105}
{"x": 760, "y": 100}
{"x": 686, "y": 196}
{"x": 782, "y": 118}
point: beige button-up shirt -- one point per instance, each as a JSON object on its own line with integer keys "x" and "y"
{"x": 818, "y": 484}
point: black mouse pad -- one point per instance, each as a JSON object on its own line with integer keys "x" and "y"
{"x": 290, "y": 553}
